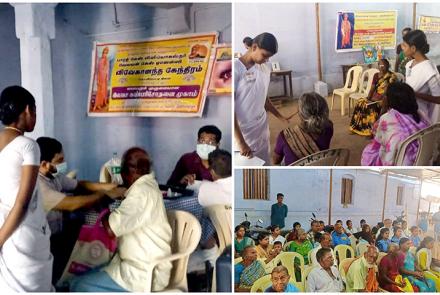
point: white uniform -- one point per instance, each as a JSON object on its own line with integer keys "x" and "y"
{"x": 425, "y": 78}
{"x": 251, "y": 87}
{"x": 25, "y": 258}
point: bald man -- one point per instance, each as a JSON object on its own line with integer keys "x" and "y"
{"x": 141, "y": 225}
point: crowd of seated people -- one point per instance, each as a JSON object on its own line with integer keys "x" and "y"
{"x": 388, "y": 257}
{"x": 42, "y": 210}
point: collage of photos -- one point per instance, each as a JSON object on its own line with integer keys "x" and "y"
{"x": 161, "y": 147}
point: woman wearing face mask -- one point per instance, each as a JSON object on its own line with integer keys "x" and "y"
{"x": 251, "y": 78}
{"x": 54, "y": 186}
{"x": 195, "y": 166}
{"x": 25, "y": 258}
{"x": 422, "y": 74}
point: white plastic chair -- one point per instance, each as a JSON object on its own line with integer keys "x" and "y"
{"x": 364, "y": 87}
{"x": 351, "y": 86}
{"x": 428, "y": 139}
{"x": 186, "y": 231}
{"x": 104, "y": 175}
{"x": 331, "y": 157}
{"x": 221, "y": 218}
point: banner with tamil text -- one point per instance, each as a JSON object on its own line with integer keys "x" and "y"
{"x": 429, "y": 24}
{"x": 357, "y": 29}
{"x": 165, "y": 76}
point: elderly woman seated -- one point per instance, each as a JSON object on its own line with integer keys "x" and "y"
{"x": 140, "y": 223}
{"x": 248, "y": 270}
{"x": 313, "y": 133}
{"x": 280, "y": 281}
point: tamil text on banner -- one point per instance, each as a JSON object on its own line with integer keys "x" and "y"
{"x": 358, "y": 29}
{"x": 429, "y": 24}
{"x": 221, "y": 73}
{"x": 157, "y": 77}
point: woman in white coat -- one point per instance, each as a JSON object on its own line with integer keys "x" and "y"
{"x": 25, "y": 258}
{"x": 251, "y": 78}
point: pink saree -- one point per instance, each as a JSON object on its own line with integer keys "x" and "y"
{"x": 389, "y": 132}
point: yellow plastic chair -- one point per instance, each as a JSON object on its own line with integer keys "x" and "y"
{"x": 186, "y": 233}
{"x": 221, "y": 218}
{"x": 380, "y": 256}
{"x": 361, "y": 248}
{"x": 238, "y": 260}
{"x": 265, "y": 282}
{"x": 364, "y": 87}
{"x": 351, "y": 86}
{"x": 287, "y": 259}
{"x": 353, "y": 241}
{"x": 309, "y": 257}
{"x": 306, "y": 275}
{"x": 287, "y": 246}
{"x": 341, "y": 252}
{"x": 343, "y": 265}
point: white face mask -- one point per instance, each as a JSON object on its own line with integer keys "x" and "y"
{"x": 61, "y": 168}
{"x": 204, "y": 149}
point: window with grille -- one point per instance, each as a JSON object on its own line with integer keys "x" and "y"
{"x": 256, "y": 184}
{"x": 346, "y": 192}
{"x": 399, "y": 198}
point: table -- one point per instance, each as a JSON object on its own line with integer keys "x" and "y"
{"x": 285, "y": 74}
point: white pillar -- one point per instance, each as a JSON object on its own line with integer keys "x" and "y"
{"x": 35, "y": 27}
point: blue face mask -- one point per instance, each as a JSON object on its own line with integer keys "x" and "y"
{"x": 61, "y": 168}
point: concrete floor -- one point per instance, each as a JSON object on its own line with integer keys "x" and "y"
{"x": 342, "y": 137}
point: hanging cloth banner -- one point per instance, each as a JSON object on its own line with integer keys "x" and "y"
{"x": 358, "y": 29}
{"x": 158, "y": 77}
{"x": 429, "y": 24}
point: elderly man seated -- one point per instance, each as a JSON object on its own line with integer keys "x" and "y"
{"x": 339, "y": 236}
{"x": 140, "y": 223}
{"x": 280, "y": 281}
{"x": 325, "y": 241}
{"x": 248, "y": 270}
{"x": 326, "y": 277}
{"x": 195, "y": 166}
{"x": 362, "y": 273}
{"x": 219, "y": 191}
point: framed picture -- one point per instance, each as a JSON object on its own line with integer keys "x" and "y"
{"x": 276, "y": 66}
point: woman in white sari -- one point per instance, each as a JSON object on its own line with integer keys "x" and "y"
{"x": 422, "y": 74}
{"x": 25, "y": 258}
{"x": 251, "y": 78}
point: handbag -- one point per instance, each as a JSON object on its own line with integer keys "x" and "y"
{"x": 93, "y": 249}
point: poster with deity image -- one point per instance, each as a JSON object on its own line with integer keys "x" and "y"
{"x": 164, "y": 76}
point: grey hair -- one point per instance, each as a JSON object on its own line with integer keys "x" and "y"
{"x": 313, "y": 110}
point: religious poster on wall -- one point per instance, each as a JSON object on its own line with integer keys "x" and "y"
{"x": 429, "y": 24}
{"x": 221, "y": 73}
{"x": 165, "y": 76}
{"x": 357, "y": 29}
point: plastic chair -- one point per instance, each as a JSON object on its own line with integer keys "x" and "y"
{"x": 287, "y": 246}
{"x": 104, "y": 175}
{"x": 400, "y": 76}
{"x": 331, "y": 157}
{"x": 306, "y": 275}
{"x": 351, "y": 86}
{"x": 341, "y": 252}
{"x": 238, "y": 260}
{"x": 364, "y": 88}
{"x": 186, "y": 231}
{"x": 380, "y": 256}
{"x": 221, "y": 218}
{"x": 361, "y": 248}
{"x": 428, "y": 139}
{"x": 287, "y": 259}
{"x": 345, "y": 265}
{"x": 353, "y": 241}
{"x": 265, "y": 282}
{"x": 309, "y": 257}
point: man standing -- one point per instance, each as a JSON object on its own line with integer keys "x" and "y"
{"x": 361, "y": 276}
{"x": 326, "y": 277}
{"x": 278, "y": 212}
{"x": 339, "y": 237}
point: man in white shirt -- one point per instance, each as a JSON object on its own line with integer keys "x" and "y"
{"x": 326, "y": 277}
{"x": 219, "y": 191}
{"x": 144, "y": 234}
{"x": 325, "y": 241}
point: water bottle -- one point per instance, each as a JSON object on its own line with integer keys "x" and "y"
{"x": 115, "y": 169}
